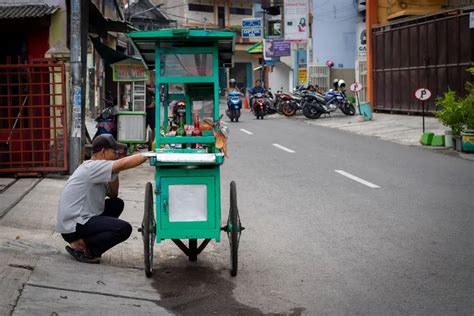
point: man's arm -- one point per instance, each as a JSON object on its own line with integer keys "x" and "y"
{"x": 128, "y": 163}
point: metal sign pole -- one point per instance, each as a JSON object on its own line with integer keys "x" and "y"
{"x": 423, "y": 114}
{"x": 358, "y": 103}
{"x": 422, "y": 95}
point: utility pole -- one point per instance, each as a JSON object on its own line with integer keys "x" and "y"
{"x": 76, "y": 115}
{"x": 264, "y": 30}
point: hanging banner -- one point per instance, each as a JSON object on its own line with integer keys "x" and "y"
{"x": 361, "y": 40}
{"x": 296, "y": 20}
{"x": 276, "y": 48}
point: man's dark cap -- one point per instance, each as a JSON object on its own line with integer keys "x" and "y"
{"x": 105, "y": 141}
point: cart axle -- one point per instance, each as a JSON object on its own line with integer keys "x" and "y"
{"x": 228, "y": 228}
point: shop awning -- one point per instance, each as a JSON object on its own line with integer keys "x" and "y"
{"x": 256, "y": 48}
{"x": 26, "y": 11}
{"x": 106, "y": 52}
{"x": 99, "y": 24}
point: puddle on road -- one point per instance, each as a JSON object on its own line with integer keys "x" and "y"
{"x": 198, "y": 290}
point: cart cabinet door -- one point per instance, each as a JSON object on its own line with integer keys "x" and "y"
{"x": 188, "y": 203}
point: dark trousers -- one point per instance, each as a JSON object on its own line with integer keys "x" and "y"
{"x": 102, "y": 232}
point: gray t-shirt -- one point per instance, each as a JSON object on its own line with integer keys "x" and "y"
{"x": 84, "y": 194}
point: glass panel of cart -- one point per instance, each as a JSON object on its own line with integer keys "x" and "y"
{"x": 188, "y": 203}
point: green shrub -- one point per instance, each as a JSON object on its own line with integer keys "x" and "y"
{"x": 451, "y": 113}
{"x": 457, "y": 113}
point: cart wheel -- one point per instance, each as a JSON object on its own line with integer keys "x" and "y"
{"x": 233, "y": 229}
{"x": 148, "y": 229}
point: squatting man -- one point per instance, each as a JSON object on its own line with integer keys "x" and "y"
{"x": 86, "y": 219}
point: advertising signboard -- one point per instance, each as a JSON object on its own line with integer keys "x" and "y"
{"x": 276, "y": 48}
{"x": 129, "y": 72}
{"x": 296, "y": 20}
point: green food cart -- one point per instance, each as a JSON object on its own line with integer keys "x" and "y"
{"x": 187, "y": 177}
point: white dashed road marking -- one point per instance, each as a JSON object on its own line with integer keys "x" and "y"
{"x": 284, "y": 148}
{"x": 357, "y": 179}
{"x": 246, "y": 131}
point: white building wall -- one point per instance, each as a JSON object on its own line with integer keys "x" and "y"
{"x": 279, "y": 79}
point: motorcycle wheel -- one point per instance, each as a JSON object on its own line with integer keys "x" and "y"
{"x": 279, "y": 110}
{"x": 287, "y": 109}
{"x": 311, "y": 112}
{"x": 348, "y": 109}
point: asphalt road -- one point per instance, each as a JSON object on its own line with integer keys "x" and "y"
{"x": 317, "y": 241}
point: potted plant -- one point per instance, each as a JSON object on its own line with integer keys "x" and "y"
{"x": 467, "y": 136}
{"x": 458, "y": 113}
{"x": 451, "y": 115}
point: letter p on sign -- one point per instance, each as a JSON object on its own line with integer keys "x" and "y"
{"x": 423, "y": 94}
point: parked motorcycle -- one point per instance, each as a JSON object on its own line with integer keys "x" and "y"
{"x": 290, "y": 103}
{"x": 328, "y": 102}
{"x": 234, "y": 105}
{"x": 259, "y": 105}
{"x": 107, "y": 121}
{"x": 271, "y": 102}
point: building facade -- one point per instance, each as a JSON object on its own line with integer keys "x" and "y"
{"x": 36, "y": 112}
{"x": 218, "y": 14}
{"x": 424, "y": 44}
{"x": 334, "y": 39}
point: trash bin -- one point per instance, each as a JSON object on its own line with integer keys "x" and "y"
{"x": 365, "y": 111}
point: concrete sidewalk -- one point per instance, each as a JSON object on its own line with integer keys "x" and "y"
{"x": 37, "y": 276}
{"x": 401, "y": 129}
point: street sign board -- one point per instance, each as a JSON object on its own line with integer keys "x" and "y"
{"x": 251, "y": 32}
{"x": 423, "y": 94}
{"x": 356, "y": 87}
{"x": 247, "y": 23}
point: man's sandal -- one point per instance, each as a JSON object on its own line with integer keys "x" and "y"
{"x": 81, "y": 256}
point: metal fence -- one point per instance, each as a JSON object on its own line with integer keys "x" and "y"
{"x": 430, "y": 52}
{"x": 319, "y": 74}
{"x": 362, "y": 79}
{"x": 33, "y": 133}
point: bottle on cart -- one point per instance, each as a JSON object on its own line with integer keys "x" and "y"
{"x": 197, "y": 130}
{"x": 181, "y": 131}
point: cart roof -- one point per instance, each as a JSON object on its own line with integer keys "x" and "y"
{"x": 145, "y": 42}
